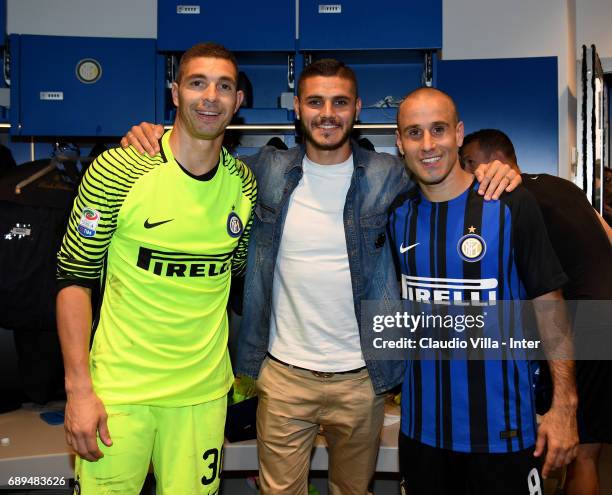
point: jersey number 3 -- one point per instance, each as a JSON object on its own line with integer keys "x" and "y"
{"x": 214, "y": 465}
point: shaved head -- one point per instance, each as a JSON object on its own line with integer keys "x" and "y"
{"x": 425, "y": 93}
{"x": 428, "y": 136}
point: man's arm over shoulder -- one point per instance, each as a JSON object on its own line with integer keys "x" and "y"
{"x": 144, "y": 137}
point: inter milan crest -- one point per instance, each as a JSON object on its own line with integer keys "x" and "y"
{"x": 234, "y": 225}
{"x": 471, "y": 247}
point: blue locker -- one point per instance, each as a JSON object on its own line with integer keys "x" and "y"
{"x": 3, "y": 22}
{"x": 382, "y": 81}
{"x": 244, "y": 26}
{"x": 267, "y": 76}
{"x": 367, "y": 25}
{"x": 518, "y": 96}
{"x": 3, "y": 109}
{"x": 69, "y": 86}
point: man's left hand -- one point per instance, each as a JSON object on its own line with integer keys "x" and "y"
{"x": 495, "y": 178}
{"x": 558, "y": 435}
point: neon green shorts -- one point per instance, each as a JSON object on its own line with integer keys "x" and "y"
{"x": 183, "y": 443}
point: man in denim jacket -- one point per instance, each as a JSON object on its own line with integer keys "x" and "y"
{"x": 319, "y": 248}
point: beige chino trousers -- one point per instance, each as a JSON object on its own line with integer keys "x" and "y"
{"x": 293, "y": 405}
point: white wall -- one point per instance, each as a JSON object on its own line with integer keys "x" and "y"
{"x": 476, "y": 29}
{"x": 107, "y": 18}
{"x": 502, "y": 28}
{"x": 594, "y": 25}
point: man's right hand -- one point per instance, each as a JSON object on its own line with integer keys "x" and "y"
{"x": 144, "y": 137}
{"x": 85, "y": 416}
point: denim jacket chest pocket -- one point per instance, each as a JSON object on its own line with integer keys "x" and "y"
{"x": 374, "y": 231}
{"x": 264, "y": 223}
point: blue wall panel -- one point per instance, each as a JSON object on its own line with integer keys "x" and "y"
{"x": 518, "y": 96}
{"x": 3, "y": 39}
{"x": 363, "y": 24}
{"x": 2, "y": 22}
{"x": 245, "y": 25}
{"x": 123, "y": 95}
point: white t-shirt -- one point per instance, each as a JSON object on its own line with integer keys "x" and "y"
{"x": 313, "y": 323}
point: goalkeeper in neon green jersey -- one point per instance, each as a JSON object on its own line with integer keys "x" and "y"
{"x": 162, "y": 236}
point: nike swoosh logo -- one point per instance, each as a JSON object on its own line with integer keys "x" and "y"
{"x": 149, "y": 225}
{"x": 534, "y": 177}
{"x": 407, "y": 248}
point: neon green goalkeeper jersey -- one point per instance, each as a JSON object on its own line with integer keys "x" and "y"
{"x": 163, "y": 245}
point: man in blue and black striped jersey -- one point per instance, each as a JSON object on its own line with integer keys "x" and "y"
{"x": 474, "y": 420}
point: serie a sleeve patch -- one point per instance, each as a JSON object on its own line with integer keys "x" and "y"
{"x": 89, "y": 222}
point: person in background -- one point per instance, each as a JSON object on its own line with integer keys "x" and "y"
{"x": 585, "y": 254}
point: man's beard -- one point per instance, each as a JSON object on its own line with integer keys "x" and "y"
{"x": 308, "y": 135}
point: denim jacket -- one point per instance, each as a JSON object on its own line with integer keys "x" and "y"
{"x": 378, "y": 178}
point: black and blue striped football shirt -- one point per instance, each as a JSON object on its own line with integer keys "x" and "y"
{"x": 469, "y": 249}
